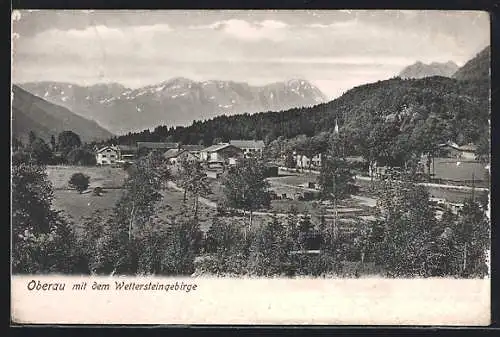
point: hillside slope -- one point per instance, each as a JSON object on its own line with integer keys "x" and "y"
{"x": 478, "y": 68}
{"x": 178, "y": 101}
{"x": 31, "y": 113}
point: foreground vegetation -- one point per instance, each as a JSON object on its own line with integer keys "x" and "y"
{"x": 132, "y": 238}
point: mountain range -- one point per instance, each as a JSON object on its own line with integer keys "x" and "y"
{"x": 31, "y": 113}
{"x": 421, "y": 70}
{"x": 178, "y": 101}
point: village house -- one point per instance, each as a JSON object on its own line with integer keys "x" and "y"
{"x": 108, "y": 155}
{"x": 465, "y": 152}
{"x": 251, "y": 148}
{"x": 175, "y": 156}
{"x": 127, "y": 153}
{"x": 158, "y": 146}
{"x": 194, "y": 149}
{"x": 304, "y": 162}
{"x": 221, "y": 153}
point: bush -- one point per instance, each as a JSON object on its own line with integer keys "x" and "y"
{"x": 79, "y": 181}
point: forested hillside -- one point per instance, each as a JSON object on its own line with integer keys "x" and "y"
{"x": 478, "y": 68}
{"x": 33, "y": 114}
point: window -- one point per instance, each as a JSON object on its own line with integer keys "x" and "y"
{"x": 104, "y": 156}
{"x": 112, "y": 156}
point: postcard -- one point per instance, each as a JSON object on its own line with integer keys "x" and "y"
{"x": 297, "y": 167}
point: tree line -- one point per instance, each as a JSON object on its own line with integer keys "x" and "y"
{"x": 67, "y": 148}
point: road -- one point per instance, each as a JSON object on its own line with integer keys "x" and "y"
{"x": 370, "y": 202}
{"x": 444, "y": 186}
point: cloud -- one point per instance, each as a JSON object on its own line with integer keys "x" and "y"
{"x": 335, "y": 25}
{"x": 339, "y": 51}
{"x": 249, "y": 31}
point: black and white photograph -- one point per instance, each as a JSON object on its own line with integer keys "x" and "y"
{"x": 237, "y": 144}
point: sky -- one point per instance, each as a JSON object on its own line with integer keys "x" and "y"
{"x": 333, "y": 49}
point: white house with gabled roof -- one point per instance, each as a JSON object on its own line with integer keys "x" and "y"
{"x": 108, "y": 155}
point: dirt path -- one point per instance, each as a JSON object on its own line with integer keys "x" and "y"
{"x": 370, "y": 202}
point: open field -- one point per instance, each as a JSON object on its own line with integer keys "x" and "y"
{"x": 103, "y": 176}
{"x": 295, "y": 179}
{"x": 447, "y": 169}
{"x": 77, "y": 206}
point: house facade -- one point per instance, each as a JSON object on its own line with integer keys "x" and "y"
{"x": 222, "y": 153}
{"x": 176, "y": 156}
{"x": 251, "y": 148}
{"x": 108, "y": 155}
{"x": 194, "y": 149}
{"x": 304, "y": 162}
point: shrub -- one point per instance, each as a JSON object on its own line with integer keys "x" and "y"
{"x": 79, "y": 181}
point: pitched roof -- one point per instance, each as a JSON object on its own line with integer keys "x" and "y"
{"x": 248, "y": 144}
{"x": 192, "y": 147}
{"x": 114, "y": 148}
{"x": 173, "y": 153}
{"x": 157, "y": 145}
{"x": 216, "y": 147}
{"x": 127, "y": 148}
{"x": 466, "y": 148}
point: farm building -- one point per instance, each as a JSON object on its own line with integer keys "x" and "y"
{"x": 465, "y": 152}
{"x": 127, "y": 149}
{"x": 251, "y": 148}
{"x": 127, "y": 153}
{"x": 108, "y": 155}
{"x": 194, "y": 149}
{"x": 223, "y": 153}
{"x": 175, "y": 156}
{"x": 151, "y": 146}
